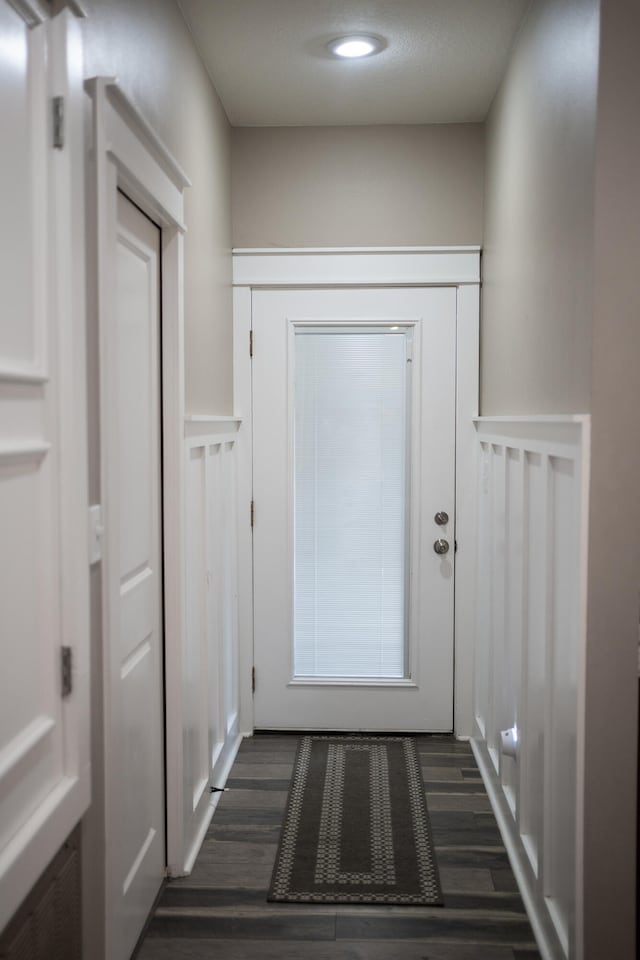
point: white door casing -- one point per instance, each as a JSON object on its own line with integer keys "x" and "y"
{"x": 127, "y": 155}
{"x": 374, "y": 268}
{"x": 423, "y": 700}
{"x": 44, "y": 762}
{"x": 136, "y": 851}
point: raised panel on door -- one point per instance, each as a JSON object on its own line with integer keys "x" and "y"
{"x": 419, "y": 694}
{"x": 24, "y": 196}
{"x": 136, "y": 774}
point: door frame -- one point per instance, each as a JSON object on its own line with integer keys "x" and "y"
{"x": 316, "y": 267}
{"x": 127, "y": 155}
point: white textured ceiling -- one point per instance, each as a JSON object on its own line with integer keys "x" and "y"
{"x": 269, "y": 63}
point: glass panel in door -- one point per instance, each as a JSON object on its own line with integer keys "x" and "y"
{"x": 350, "y": 504}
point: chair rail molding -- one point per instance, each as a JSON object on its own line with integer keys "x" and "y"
{"x": 530, "y": 655}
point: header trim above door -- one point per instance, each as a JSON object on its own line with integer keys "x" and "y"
{"x": 370, "y": 266}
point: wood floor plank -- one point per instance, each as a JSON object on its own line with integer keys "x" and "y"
{"x": 255, "y": 833}
{"x": 504, "y": 880}
{"x": 489, "y": 902}
{"x": 236, "y": 851}
{"x": 207, "y": 949}
{"x": 432, "y": 773}
{"x": 190, "y": 895}
{"x": 431, "y": 745}
{"x": 237, "y": 799}
{"x": 490, "y": 858}
{"x": 247, "y": 876}
{"x": 469, "y": 773}
{"x": 453, "y": 786}
{"x": 457, "y": 879}
{"x": 473, "y": 802}
{"x": 460, "y": 760}
{"x": 198, "y": 922}
{"x": 263, "y": 742}
{"x": 268, "y": 771}
{"x": 455, "y": 925}
{"x": 250, "y": 816}
{"x": 247, "y": 783}
{"x": 463, "y": 828}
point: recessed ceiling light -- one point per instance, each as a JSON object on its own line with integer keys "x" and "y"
{"x": 354, "y": 47}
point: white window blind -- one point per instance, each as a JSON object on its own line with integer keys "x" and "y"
{"x": 350, "y": 412}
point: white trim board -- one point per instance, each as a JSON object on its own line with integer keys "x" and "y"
{"x": 386, "y": 267}
{"x": 375, "y": 267}
{"x": 349, "y": 251}
{"x": 214, "y": 429}
{"x": 540, "y": 924}
{"x": 221, "y": 771}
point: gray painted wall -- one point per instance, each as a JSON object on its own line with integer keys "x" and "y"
{"x": 147, "y": 46}
{"x": 537, "y": 260}
{"x": 614, "y": 514}
{"x": 357, "y": 186}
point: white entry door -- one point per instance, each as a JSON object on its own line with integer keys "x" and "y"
{"x": 135, "y": 764}
{"x": 354, "y": 441}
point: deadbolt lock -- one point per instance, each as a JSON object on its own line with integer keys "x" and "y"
{"x": 441, "y": 518}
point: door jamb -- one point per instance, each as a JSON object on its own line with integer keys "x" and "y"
{"x": 126, "y": 154}
{"x": 458, "y": 267}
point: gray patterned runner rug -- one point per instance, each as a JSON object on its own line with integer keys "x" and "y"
{"x": 356, "y": 828}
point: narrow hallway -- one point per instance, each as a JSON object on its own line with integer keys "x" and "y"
{"x": 220, "y": 910}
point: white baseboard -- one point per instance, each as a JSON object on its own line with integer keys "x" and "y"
{"x": 220, "y": 774}
{"x": 539, "y": 918}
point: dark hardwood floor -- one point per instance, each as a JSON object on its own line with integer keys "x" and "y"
{"x": 220, "y": 911}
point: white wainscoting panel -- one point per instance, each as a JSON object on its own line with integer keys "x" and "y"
{"x": 530, "y": 601}
{"x": 210, "y": 696}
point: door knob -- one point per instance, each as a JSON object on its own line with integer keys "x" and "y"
{"x": 441, "y": 518}
{"x": 441, "y": 547}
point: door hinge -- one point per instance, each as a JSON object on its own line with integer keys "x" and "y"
{"x": 57, "y": 109}
{"x": 250, "y": 343}
{"x": 253, "y": 679}
{"x": 66, "y": 670}
{"x": 252, "y": 511}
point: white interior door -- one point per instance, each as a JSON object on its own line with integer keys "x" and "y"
{"x": 44, "y": 773}
{"x": 354, "y": 441}
{"x": 135, "y": 768}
